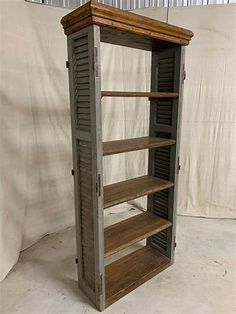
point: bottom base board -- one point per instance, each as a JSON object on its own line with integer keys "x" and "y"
{"x": 129, "y": 272}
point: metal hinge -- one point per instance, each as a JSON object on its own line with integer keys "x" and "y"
{"x": 183, "y": 75}
{"x": 67, "y": 64}
{"x": 179, "y": 166}
{"x": 72, "y": 172}
{"x": 98, "y": 185}
{"x": 100, "y": 284}
{"x": 175, "y": 244}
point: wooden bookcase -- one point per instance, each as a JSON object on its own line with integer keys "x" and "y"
{"x": 86, "y": 28}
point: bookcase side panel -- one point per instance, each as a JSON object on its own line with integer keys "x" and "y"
{"x": 165, "y": 114}
{"x": 85, "y": 104}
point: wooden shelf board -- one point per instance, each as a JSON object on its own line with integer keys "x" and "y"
{"x": 124, "y": 191}
{"x": 132, "y": 230}
{"x": 138, "y": 94}
{"x": 129, "y": 272}
{"x": 132, "y": 144}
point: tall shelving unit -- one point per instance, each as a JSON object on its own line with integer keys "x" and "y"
{"x": 86, "y": 28}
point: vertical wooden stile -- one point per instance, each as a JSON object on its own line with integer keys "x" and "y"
{"x": 165, "y": 115}
{"x": 85, "y": 100}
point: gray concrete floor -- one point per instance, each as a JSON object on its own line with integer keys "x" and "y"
{"x": 202, "y": 280}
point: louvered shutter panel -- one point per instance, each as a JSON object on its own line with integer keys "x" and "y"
{"x": 167, "y": 71}
{"x": 85, "y": 99}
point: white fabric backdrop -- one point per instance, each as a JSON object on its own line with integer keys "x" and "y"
{"x": 36, "y": 195}
{"x": 208, "y": 141}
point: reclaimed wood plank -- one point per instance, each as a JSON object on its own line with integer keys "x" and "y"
{"x": 132, "y": 144}
{"x": 124, "y": 191}
{"x": 132, "y": 230}
{"x": 138, "y": 94}
{"x": 128, "y": 22}
{"x": 129, "y": 272}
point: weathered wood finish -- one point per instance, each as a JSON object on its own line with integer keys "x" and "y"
{"x": 123, "y": 38}
{"x": 85, "y": 100}
{"x": 124, "y": 191}
{"x": 86, "y": 27}
{"x": 167, "y": 76}
{"x": 138, "y": 94}
{"x": 132, "y": 230}
{"x": 132, "y": 144}
{"x": 129, "y": 272}
{"x": 107, "y": 16}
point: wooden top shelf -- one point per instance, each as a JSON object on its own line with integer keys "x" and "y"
{"x": 124, "y": 191}
{"x": 132, "y": 230}
{"x": 132, "y": 144}
{"x": 139, "y": 94}
{"x": 127, "y": 22}
{"x": 129, "y": 272}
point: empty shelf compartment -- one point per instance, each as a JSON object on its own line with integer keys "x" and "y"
{"x": 132, "y": 230}
{"x": 124, "y": 191}
{"x": 129, "y": 272}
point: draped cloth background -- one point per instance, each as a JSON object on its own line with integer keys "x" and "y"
{"x": 36, "y": 189}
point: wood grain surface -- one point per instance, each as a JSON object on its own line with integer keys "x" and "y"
{"x": 132, "y": 230}
{"x": 132, "y": 144}
{"x": 124, "y": 191}
{"x": 138, "y": 94}
{"x": 129, "y": 272}
{"x": 104, "y": 15}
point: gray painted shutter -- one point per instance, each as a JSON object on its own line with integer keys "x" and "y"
{"x": 85, "y": 91}
{"x": 167, "y": 71}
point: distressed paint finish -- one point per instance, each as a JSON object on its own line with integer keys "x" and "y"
{"x": 165, "y": 121}
{"x": 91, "y": 197}
{"x": 85, "y": 99}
